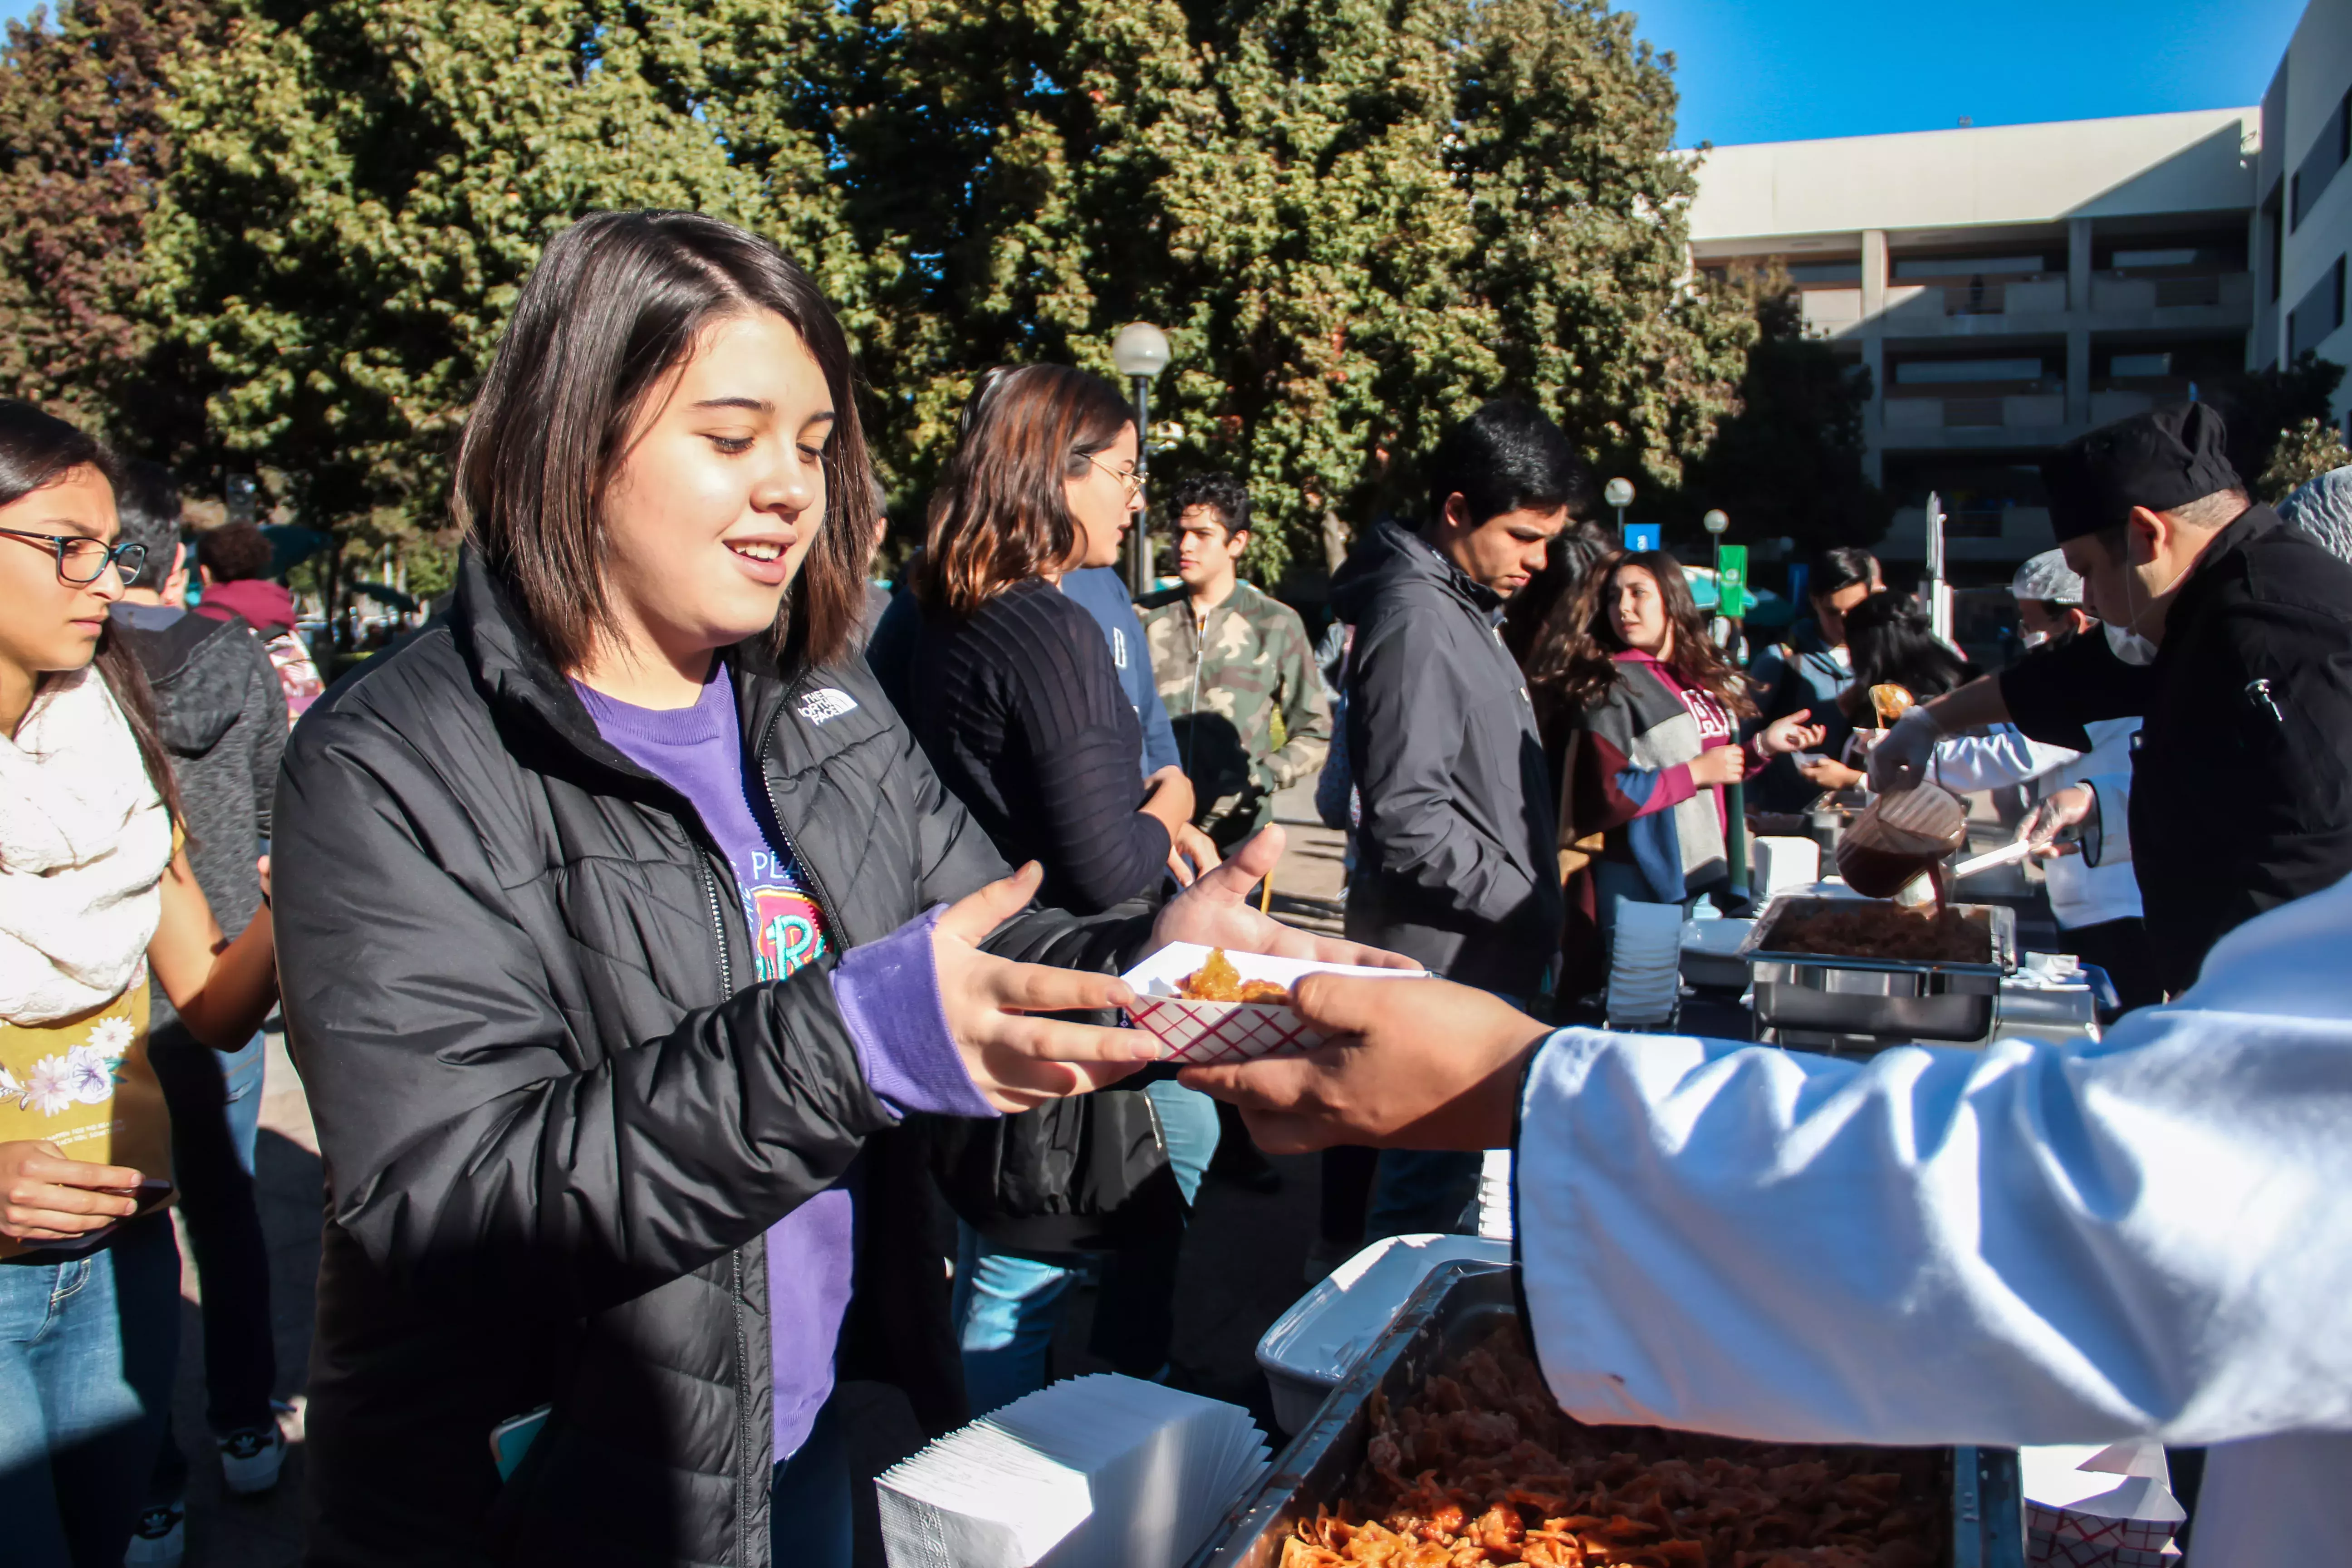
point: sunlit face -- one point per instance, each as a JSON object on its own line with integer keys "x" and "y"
{"x": 1637, "y": 612}
{"x": 722, "y": 490}
{"x": 1830, "y": 609}
{"x": 50, "y": 625}
{"x": 1207, "y": 555}
{"x": 1104, "y": 500}
{"x": 1505, "y": 550}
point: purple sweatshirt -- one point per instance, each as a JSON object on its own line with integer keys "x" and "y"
{"x": 887, "y": 991}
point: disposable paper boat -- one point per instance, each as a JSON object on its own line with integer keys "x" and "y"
{"x": 1204, "y": 1034}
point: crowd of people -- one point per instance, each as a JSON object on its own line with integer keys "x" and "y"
{"x": 705, "y": 977}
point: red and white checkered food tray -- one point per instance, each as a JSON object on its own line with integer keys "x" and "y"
{"x": 1204, "y": 1034}
{"x": 2062, "y": 1538}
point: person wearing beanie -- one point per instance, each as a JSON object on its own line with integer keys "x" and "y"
{"x": 2229, "y": 633}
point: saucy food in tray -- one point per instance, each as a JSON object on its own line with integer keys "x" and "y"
{"x": 1939, "y": 934}
{"x": 1218, "y": 981}
{"x": 1481, "y": 1467}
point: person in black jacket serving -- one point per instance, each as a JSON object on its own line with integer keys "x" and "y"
{"x": 626, "y": 919}
{"x": 2230, "y": 633}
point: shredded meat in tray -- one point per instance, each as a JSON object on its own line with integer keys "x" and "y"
{"x": 1480, "y": 1467}
{"x": 1888, "y": 931}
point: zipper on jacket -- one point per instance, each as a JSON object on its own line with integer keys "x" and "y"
{"x": 743, "y": 1442}
{"x": 776, "y": 813}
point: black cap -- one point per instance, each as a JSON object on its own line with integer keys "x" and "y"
{"x": 2160, "y": 461}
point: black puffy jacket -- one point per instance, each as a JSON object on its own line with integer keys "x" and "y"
{"x": 556, "y": 1122}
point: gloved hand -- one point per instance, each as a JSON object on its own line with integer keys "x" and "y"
{"x": 2060, "y": 814}
{"x": 1900, "y": 761}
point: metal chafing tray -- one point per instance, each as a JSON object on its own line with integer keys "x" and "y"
{"x": 1455, "y": 1307}
{"x": 1825, "y": 1002}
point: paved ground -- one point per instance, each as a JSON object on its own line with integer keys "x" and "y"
{"x": 1241, "y": 1267}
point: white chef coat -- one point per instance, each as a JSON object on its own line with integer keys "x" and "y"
{"x": 2145, "y": 1236}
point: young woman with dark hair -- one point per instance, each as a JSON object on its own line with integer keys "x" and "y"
{"x": 95, "y": 894}
{"x": 1651, "y": 710}
{"x": 1011, "y": 688}
{"x": 1893, "y": 640}
{"x": 613, "y": 971}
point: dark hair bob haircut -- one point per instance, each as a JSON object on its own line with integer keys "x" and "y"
{"x": 616, "y": 303}
{"x": 1891, "y": 640}
{"x": 1000, "y": 515}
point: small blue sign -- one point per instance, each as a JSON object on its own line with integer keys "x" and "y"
{"x": 1641, "y": 536}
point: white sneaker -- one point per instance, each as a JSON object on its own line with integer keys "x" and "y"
{"x": 251, "y": 1458}
{"x": 161, "y": 1539}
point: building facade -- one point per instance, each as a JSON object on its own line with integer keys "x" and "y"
{"x": 2009, "y": 287}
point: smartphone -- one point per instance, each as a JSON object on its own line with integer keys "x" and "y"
{"x": 151, "y": 1194}
{"x": 511, "y": 1439}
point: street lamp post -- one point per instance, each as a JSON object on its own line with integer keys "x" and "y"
{"x": 1730, "y": 603}
{"x": 1141, "y": 352}
{"x": 1619, "y": 493}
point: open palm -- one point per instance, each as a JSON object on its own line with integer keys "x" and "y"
{"x": 1216, "y": 911}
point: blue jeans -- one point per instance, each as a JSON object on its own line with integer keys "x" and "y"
{"x": 87, "y": 1347}
{"x": 214, "y": 1098}
{"x": 808, "y": 1517}
{"x": 1009, "y": 1305}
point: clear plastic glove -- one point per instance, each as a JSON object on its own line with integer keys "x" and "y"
{"x": 1900, "y": 761}
{"x": 2052, "y": 824}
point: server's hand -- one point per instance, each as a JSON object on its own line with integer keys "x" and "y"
{"x": 2060, "y": 814}
{"x": 1413, "y": 1064}
{"x": 1901, "y": 760}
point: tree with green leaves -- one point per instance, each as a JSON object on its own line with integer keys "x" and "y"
{"x": 1788, "y": 461}
{"x": 84, "y": 151}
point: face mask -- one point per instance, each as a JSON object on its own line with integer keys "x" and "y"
{"x": 2128, "y": 645}
{"x": 2034, "y": 639}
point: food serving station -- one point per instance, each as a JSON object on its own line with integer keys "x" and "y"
{"x": 1444, "y": 1411}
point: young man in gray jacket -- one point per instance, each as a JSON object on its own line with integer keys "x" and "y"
{"x": 223, "y": 717}
{"x": 1455, "y": 852}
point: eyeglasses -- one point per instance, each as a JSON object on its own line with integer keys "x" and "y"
{"x": 81, "y": 559}
{"x": 1129, "y": 480}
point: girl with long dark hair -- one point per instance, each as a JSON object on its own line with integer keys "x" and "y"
{"x": 1651, "y": 710}
{"x": 95, "y": 893}
{"x": 1892, "y": 642}
{"x": 626, "y": 923}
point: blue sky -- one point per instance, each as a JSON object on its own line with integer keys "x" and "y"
{"x": 1773, "y": 71}
{"x": 1778, "y": 70}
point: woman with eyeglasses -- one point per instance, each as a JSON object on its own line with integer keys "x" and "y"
{"x": 95, "y": 892}
{"x": 1011, "y": 689}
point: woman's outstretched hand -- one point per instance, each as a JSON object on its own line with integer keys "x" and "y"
{"x": 1216, "y": 912}
{"x": 1782, "y": 736}
{"x": 1017, "y": 1060}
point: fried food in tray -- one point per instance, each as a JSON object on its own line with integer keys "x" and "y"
{"x": 1218, "y": 981}
{"x": 1481, "y": 1467}
{"x": 1940, "y": 934}
{"x": 1891, "y": 702}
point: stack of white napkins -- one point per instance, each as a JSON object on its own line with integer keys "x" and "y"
{"x": 1102, "y": 1470}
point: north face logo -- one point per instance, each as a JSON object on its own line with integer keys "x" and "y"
{"x": 827, "y": 702}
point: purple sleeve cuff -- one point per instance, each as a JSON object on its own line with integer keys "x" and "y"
{"x": 888, "y": 993}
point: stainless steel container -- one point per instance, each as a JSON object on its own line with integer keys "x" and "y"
{"x": 1457, "y": 1305}
{"x": 1824, "y": 1003}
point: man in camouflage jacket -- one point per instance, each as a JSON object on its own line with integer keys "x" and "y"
{"x": 1228, "y": 657}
